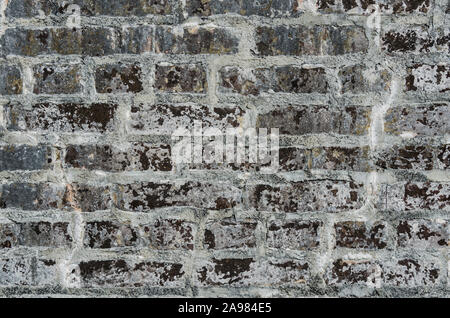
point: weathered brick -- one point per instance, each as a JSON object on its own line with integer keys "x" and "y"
{"x": 195, "y": 40}
{"x": 44, "y": 196}
{"x": 420, "y": 120}
{"x": 359, "y": 79}
{"x": 305, "y": 40}
{"x": 414, "y": 157}
{"x": 148, "y": 196}
{"x": 10, "y": 80}
{"x": 136, "y": 157}
{"x": 118, "y": 78}
{"x": 120, "y": 273}
{"x": 423, "y": 233}
{"x": 246, "y": 82}
{"x": 137, "y": 40}
{"x": 161, "y": 234}
{"x": 35, "y": 234}
{"x": 268, "y": 8}
{"x": 57, "y": 79}
{"x": 181, "y": 78}
{"x": 230, "y": 234}
{"x": 415, "y": 196}
{"x": 410, "y": 273}
{"x": 65, "y": 117}
{"x": 385, "y": 6}
{"x": 320, "y": 195}
{"x": 24, "y": 157}
{"x": 251, "y": 272}
{"x": 160, "y": 119}
{"x": 291, "y": 79}
{"x": 27, "y": 271}
{"x": 355, "y": 234}
{"x": 351, "y": 272}
{"x": 339, "y": 158}
{"x": 294, "y": 234}
{"x": 416, "y": 40}
{"x": 428, "y": 78}
{"x": 300, "y": 120}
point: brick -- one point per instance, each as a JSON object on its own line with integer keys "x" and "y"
{"x": 148, "y": 196}
{"x": 414, "y": 157}
{"x": 320, "y": 195}
{"x": 160, "y": 119}
{"x": 10, "y": 80}
{"x": 420, "y": 120}
{"x": 268, "y": 8}
{"x": 305, "y": 40}
{"x": 339, "y": 158}
{"x": 428, "y": 78}
{"x": 136, "y": 157}
{"x": 57, "y": 79}
{"x": 352, "y": 272}
{"x": 120, "y": 273}
{"x": 358, "y": 79}
{"x": 356, "y": 234}
{"x": 415, "y": 40}
{"x": 301, "y": 120}
{"x": 385, "y": 6}
{"x": 35, "y": 234}
{"x": 45, "y": 196}
{"x": 285, "y": 79}
{"x": 421, "y": 234}
{"x": 195, "y": 40}
{"x": 251, "y": 272}
{"x": 161, "y": 234}
{"x": 24, "y": 157}
{"x": 124, "y": 7}
{"x": 91, "y": 41}
{"x": 27, "y": 271}
{"x": 230, "y": 234}
{"x": 295, "y": 234}
{"x": 118, "y": 78}
{"x": 412, "y": 196}
{"x": 65, "y": 117}
{"x": 181, "y": 78}
{"x": 137, "y": 40}
{"x": 410, "y": 273}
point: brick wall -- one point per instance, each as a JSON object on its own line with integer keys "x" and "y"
{"x": 92, "y": 204}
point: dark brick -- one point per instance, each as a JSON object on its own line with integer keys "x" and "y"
{"x": 386, "y": 6}
{"x": 162, "y": 119}
{"x": 291, "y": 79}
{"x": 293, "y": 234}
{"x": 246, "y": 82}
{"x": 300, "y": 120}
{"x": 119, "y": 273}
{"x": 355, "y": 234}
{"x": 66, "y": 117}
{"x": 45, "y": 196}
{"x": 251, "y": 272}
{"x": 414, "y": 157}
{"x": 24, "y": 157}
{"x": 107, "y": 234}
{"x": 305, "y": 40}
{"x": 415, "y": 196}
{"x": 195, "y": 40}
{"x": 169, "y": 234}
{"x": 423, "y": 120}
{"x": 99, "y": 41}
{"x": 340, "y": 158}
{"x": 118, "y": 78}
{"x": 428, "y": 78}
{"x": 358, "y": 79}
{"x": 57, "y": 79}
{"x": 416, "y": 40}
{"x": 230, "y": 234}
{"x": 410, "y": 273}
{"x": 137, "y": 40}
{"x": 181, "y": 78}
{"x": 148, "y": 196}
{"x": 419, "y": 234}
{"x": 34, "y": 234}
{"x": 268, "y": 8}
{"x": 350, "y": 272}
{"x": 10, "y": 80}
{"x": 136, "y": 157}
{"x": 320, "y": 195}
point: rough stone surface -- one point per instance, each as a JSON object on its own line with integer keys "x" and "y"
{"x": 93, "y": 201}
